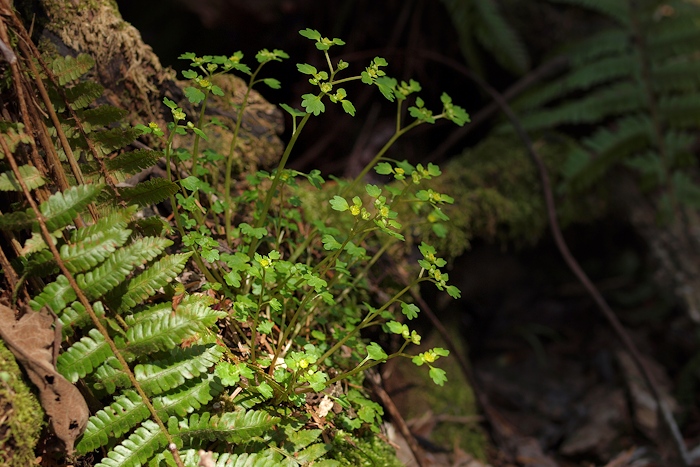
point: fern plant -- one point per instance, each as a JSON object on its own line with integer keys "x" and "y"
{"x": 234, "y": 369}
{"x": 632, "y": 88}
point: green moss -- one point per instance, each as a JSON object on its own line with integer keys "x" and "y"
{"x": 498, "y": 194}
{"x": 455, "y": 401}
{"x": 22, "y": 417}
{"x": 368, "y": 451}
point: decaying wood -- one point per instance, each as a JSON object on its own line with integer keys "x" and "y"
{"x": 135, "y": 80}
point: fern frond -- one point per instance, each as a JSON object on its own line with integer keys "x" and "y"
{"x": 100, "y": 117}
{"x": 18, "y": 220}
{"x": 109, "y": 376}
{"x": 150, "y": 313}
{"x": 39, "y": 264}
{"x": 148, "y": 282}
{"x": 167, "y": 332}
{"x": 189, "y": 397}
{"x": 62, "y": 207}
{"x": 151, "y": 191}
{"x": 138, "y": 448}
{"x": 192, "y": 458}
{"x": 608, "y": 102}
{"x": 79, "y": 96}
{"x": 67, "y": 69}
{"x": 55, "y": 295}
{"x": 127, "y": 411}
{"x": 678, "y": 35}
{"x": 133, "y": 162}
{"x": 180, "y": 366}
{"x": 606, "y": 70}
{"x": 609, "y": 42}
{"x": 677, "y": 75}
{"x": 614, "y": 9}
{"x": 110, "y": 140}
{"x": 233, "y": 427}
{"x": 115, "y": 220}
{"x": 75, "y": 317}
{"x": 30, "y": 174}
{"x": 497, "y": 36}
{"x": 84, "y": 356}
{"x": 631, "y": 134}
{"x": 114, "y": 270}
{"x": 85, "y": 255}
{"x": 681, "y": 111}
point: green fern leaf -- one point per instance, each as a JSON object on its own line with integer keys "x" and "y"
{"x": 233, "y": 427}
{"x": 605, "y": 70}
{"x": 133, "y": 162}
{"x": 632, "y": 134}
{"x": 169, "y": 331}
{"x": 18, "y": 220}
{"x": 75, "y": 317}
{"x": 109, "y": 376}
{"x": 181, "y": 365}
{"x": 137, "y": 449}
{"x": 682, "y": 111}
{"x": 188, "y": 397}
{"x": 150, "y": 313}
{"x": 497, "y": 36}
{"x": 149, "y": 192}
{"x": 127, "y": 411}
{"x": 115, "y": 220}
{"x": 610, "y": 42}
{"x": 88, "y": 253}
{"x": 67, "y": 69}
{"x": 79, "y": 96}
{"x": 192, "y": 458}
{"x": 148, "y": 282}
{"x": 83, "y": 356}
{"x": 30, "y": 174}
{"x": 114, "y": 270}
{"x": 608, "y": 102}
{"x": 116, "y": 138}
{"x": 682, "y": 75}
{"x": 39, "y": 264}
{"x": 62, "y": 207}
{"x": 616, "y": 10}
{"x": 55, "y": 295}
{"x": 100, "y": 117}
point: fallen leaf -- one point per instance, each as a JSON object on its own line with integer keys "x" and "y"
{"x": 34, "y": 343}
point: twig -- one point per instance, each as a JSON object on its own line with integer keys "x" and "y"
{"x": 571, "y": 262}
{"x": 398, "y": 420}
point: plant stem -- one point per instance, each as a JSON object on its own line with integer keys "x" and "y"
{"x": 275, "y": 182}
{"x": 228, "y": 213}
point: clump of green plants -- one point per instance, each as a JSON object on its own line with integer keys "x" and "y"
{"x": 264, "y": 364}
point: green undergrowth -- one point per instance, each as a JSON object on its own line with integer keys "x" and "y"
{"x": 22, "y": 419}
{"x": 236, "y": 323}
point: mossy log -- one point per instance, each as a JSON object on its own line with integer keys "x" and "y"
{"x": 134, "y": 78}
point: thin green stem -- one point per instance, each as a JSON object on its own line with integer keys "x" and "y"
{"x": 228, "y": 214}
{"x": 275, "y": 182}
{"x": 377, "y": 158}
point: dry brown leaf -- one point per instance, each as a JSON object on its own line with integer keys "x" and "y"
{"x": 33, "y": 342}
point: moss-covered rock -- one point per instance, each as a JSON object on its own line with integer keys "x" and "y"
{"x": 21, "y": 416}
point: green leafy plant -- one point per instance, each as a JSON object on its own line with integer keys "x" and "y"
{"x": 288, "y": 301}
